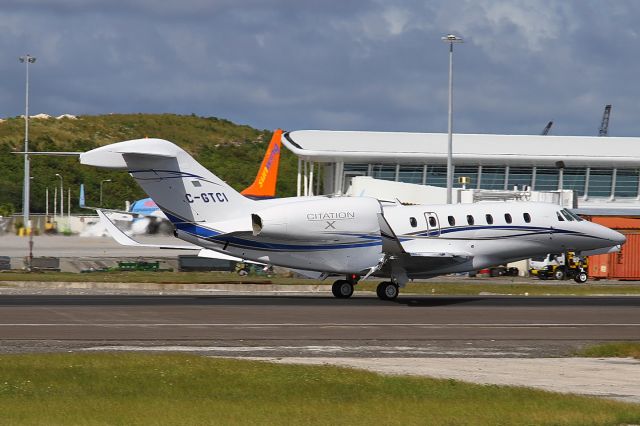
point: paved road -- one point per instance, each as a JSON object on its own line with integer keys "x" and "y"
{"x": 314, "y": 326}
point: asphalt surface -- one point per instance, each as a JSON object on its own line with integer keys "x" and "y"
{"x": 413, "y": 326}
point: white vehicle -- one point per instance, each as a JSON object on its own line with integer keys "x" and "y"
{"x": 355, "y": 236}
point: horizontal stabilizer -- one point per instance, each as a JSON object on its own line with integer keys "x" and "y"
{"x": 114, "y": 156}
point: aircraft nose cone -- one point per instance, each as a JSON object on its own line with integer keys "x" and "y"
{"x": 619, "y": 238}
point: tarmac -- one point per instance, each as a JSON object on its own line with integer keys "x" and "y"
{"x": 521, "y": 341}
{"x": 490, "y": 339}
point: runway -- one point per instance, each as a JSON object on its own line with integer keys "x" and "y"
{"x": 413, "y": 326}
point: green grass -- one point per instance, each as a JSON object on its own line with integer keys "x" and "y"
{"x": 463, "y": 288}
{"x": 608, "y": 350}
{"x": 150, "y": 277}
{"x": 133, "y": 389}
{"x": 436, "y": 288}
{"x": 231, "y": 151}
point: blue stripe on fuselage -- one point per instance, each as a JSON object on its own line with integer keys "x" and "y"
{"x": 368, "y": 240}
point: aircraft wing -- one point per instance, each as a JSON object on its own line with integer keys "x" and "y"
{"x": 126, "y": 240}
{"x": 419, "y": 254}
{"x": 124, "y": 214}
{"x": 459, "y": 257}
{"x": 414, "y": 248}
{"x": 424, "y": 262}
{"x": 431, "y": 260}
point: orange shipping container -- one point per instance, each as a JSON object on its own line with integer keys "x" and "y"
{"x": 617, "y": 222}
{"x": 624, "y": 265}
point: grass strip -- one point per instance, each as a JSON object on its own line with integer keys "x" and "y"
{"x": 610, "y": 350}
{"x": 462, "y": 287}
{"x": 521, "y": 289}
{"x": 136, "y": 389}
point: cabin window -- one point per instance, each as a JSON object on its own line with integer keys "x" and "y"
{"x": 452, "y": 221}
{"x": 567, "y": 215}
{"x": 489, "y": 219}
{"x": 470, "y": 219}
{"x": 527, "y": 217}
{"x": 507, "y": 218}
{"x": 413, "y": 222}
{"x": 432, "y": 222}
{"x": 560, "y": 218}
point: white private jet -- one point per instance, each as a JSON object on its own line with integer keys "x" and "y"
{"x": 355, "y": 236}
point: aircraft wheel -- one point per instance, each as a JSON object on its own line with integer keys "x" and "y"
{"x": 342, "y": 289}
{"x": 559, "y": 274}
{"x": 581, "y": 277}
{"x": 387, "y": 290}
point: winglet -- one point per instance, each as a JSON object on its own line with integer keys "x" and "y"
{"x": 265, "y": 184}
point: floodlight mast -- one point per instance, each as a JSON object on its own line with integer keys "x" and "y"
{"x": 450, "y": 39}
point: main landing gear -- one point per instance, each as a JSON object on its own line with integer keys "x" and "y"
{"x": 343, "y": 289}
{"x": 387, "y": 290}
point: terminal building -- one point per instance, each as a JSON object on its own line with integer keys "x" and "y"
{"x": 602, "y": 173}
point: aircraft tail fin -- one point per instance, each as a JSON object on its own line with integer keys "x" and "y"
{"x": 181, "y": 187}
{"x": 81, "y": 200}
{"x": 265, "y": 184}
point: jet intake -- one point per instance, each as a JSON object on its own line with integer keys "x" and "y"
{"x": 328, "y": 219}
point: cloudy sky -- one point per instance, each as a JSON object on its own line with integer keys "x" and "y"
{"x": 331, "y": 64}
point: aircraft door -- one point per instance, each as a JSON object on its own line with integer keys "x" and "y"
{"x": 433, "y": 224}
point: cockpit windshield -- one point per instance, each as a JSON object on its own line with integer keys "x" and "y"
{"x": 567, "y": 216}
{"x": 573, "y": 215}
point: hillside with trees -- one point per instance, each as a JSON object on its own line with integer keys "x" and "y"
{"x": 233, "y": 152}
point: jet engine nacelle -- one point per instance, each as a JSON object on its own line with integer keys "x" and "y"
{"x": 328, "y": 219}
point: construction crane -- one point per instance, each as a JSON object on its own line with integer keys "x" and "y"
{"x": 545, "y": 132}
{"x": 604, "y": 126}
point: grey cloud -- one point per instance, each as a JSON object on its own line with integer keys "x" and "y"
{"x": 377, "y": 65}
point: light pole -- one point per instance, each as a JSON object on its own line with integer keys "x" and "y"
{"x": 61, "y": 197}
{"x": 103, "y": 181}
{"x": 27, "y": 59}
{"x": 26, "y": 219}
{"x": 450, "y": 39}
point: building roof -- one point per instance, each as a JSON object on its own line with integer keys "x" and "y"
{"x": 470, "y": 149}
